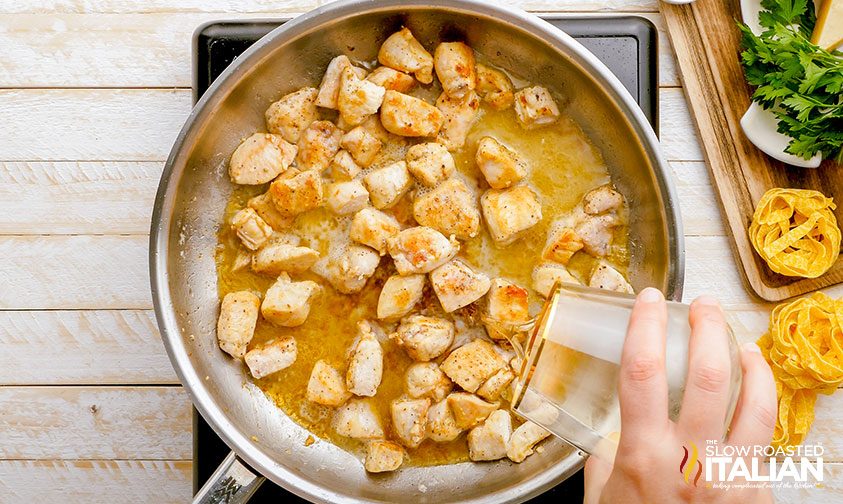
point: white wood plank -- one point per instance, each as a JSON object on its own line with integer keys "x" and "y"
{"x": 676, "y": 128}
{"x": 106, "y": 347}
{"x": 697, "y": 200}
{"x": 828, "y": 492}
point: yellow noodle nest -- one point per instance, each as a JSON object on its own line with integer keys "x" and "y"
{"x": 795, "y": 232}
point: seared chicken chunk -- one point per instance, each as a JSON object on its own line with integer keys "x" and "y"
{"x": 458, "y": 116}
{"x": 501, "y": 166}
{"x": 344, "y": 167}
{"x": 348, "y": 197}
{"x": 425, "y": 379}
{"x": 297, "y": 193}
{"x": 492, "y": 389}
{"x": 403, "y": 52}
{"x": 511, "y": 212}
{"x": 362, "y": 145}
{"x": 562, "y": 243}
{"x": 408, "y": 116}
{"x": 454, "y": 64}
{"x": 399, "y": 295}
{"x": 374, "y": 228}
{"x": 597, "y": 233}
{"x": 263, "y": 205}
{"x": 494, "y": 87}
{"x": 546, "y": 275}
{"x": 271, "y": 357}
{"x": 365, "y": 367}
{"x": 386, "y": 185}
{"x": 389, "y": 78}
{"x": 602, "y": 200}
{"x": 242, "y": 260}
{"x": 450, "y": 208}
{"x": 383, "y": 456}
{"x": 456, "y": 285}
{"x": 329, "y": 89}
{"x": 468, "y": 409}
{"x": 535, "y": 107}
{"x": 470, "y": 365}
{"x": 260, "y": 158}
{"x": 489, "y": 441}
{"x": 357, "y": 98}
{"x": 327, "y": 386}
{"x": 430, "y": 163}
{"x": 349, "y": 270}
{"x": 358, "y": 419}
{"x": 606, "y": 277}
{"x": 421, "y": 250}
{"x": 522, "y": 441}
{"x": 276, "y": 258}
{"x": 441, "y": 426}
{"x": 409, "y": 417}
{"x": 287, "y": 303}
{"x": 318, "y": 145}
{"x": 236, "y": 324}
{"x": 507, "y": 304}
{"x": 250, "y": 228}
{"x": 290, "y": 115}
{"x": 424, "y": 338}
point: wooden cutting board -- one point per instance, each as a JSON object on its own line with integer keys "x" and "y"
{"x": 707, "y": 44}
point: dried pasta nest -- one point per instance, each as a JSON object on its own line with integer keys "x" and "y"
{"x": 795, "y": 232}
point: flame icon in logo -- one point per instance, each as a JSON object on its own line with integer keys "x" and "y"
{"x": 689, "y": 460}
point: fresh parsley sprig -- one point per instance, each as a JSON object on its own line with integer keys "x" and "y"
{"x": 799, "y": 81}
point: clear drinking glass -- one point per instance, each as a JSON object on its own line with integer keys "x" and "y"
{"x": 568, "y": 380}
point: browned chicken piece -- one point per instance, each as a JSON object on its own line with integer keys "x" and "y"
{"x": 501, "y": 166}
{"x": 468, "y": 409}
{"x": 318, "y": 145}
{"x": 521, "y": 442}
{"x": 510, "y": 213}
{"x": 562, "y": 243}
{"x": 287, "y": 303}
{"x": 271, "y": 357}
{"x": 389, "y": 78}
{"x": 470, "y": 365}
{"x": 403, "y": 52}
{"x": 458, "y": 117}
{"x": 424, "y": 338}
{"x": 606, "y": 277}
{"x": 365, "y": 365}
{"x": 383, "y": 456}
{"x": 508, "y": 305}
{"x": 294, "y": 112}
{"x": 326, "y": 385}
{"x": 374, "y": 228}
{"x": 236, "y": 324}
{"x": 441, "y": 426}
{"x": 346, "y": 197}
{"x": 535, "y": 107}
{"x": 260, "y": 158}
{"x": 362, "y": 145}
{"x": 409, "y": 418}
{"x": 358, "y": 419}
{"x": 450, "y": 208}
{"x": 454, "y": 64}
{"x": 489, "y": 441}
{"x": 263, "y": 205}
{"x": 348, "y": 270}
{"x": 425, "y": 379}
{"x": 421, "y": 250}
{"x": 373, "y": 125}
{"x": 250, "y": 228}
{"x": 430, "y": 163}
{"x": 297, "y": 193}
{"x": 388, "y": 184}
{"x": 546, "y": 275}
{"x": 597, "y": 233}
{"x": 344, "y": 167}
{"x": 242, "y": 260}
{"x": 276, "y": 258}
{"x": 494, "y": 87}
{"x": 408, "y": 116}
{"x": 496, "y": 384}
{"x": 399, "y": 295}
{"x": 358, "y": 98}
{"x": 457, "y": 285}
{"x": 602, "y": 200}
{"x": 329, "y": 89}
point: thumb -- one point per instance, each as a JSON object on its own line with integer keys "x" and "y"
{"x": 596, "y": 475}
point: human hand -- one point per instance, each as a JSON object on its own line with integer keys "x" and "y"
{"x": 650, "y": 449}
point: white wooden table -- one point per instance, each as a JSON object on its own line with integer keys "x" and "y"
{"x": 92, "y": 94}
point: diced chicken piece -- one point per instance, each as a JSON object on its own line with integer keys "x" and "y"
{"x": 454, "y": 64}
{"x": 501, "y": 166}
{"x": 425, "y": 379}
{"x": 459, "y": 115}
{"x": 276, "y": 258}
{"x": 421, "y": 250}
{"x": 365, "y": 367}
{"x": 546, "y": 275}
{"x": 522, "y": 441}
{"x": 602, "y": 200}
{"x": 260, "y": 158}
{"x": 597, "y": 233}
{"x": 450, "y": 208}
{"x": 489, "y": 441}
{"x": 236, "y": 324}
{"x": 535, "y": 107}
{"x": 383, "y": 456}
{"x": 468, "y": 409}
{"x": 284, "y": 239}
{"x": 358, "y": 98}
{"x": 358, "y": 419}
{"x": 425, "y": 338}
{"x": 296, "y": 194}
{"x": 242, "y": 260}
{"x": 273, "y": 356}
{"x": 409, "y": 418}
{"x": 508, "y": 305}
{"x": 562, "y": 243}
{"x": 470, "y": 365}
{"x": 348, "y": 197}
{"x": 494, "y": 87}
{"x": 386, "y": 185}
{"x": 399, "y": 295}
{"x": 326, "y": 385}
{"x": 318, "y": 145}
{"x": 329, "y": 89}
{"x": 403, "y": 52}
{"x": 250, "y": 228}
{"x": 349, "y": 270}
{"x": 344, "y": 167}
{"x": 456, "y": 285}
{"x": 290, "y": 115}
{"x": 496, "y": 384}
{"x": 441, "y": 426}
{"x": 430, "y": 163}
{"x": 362, "y": 145}
{"x": 510, "y": 213}
{"x": 408, "y": 116}
{"x": 606, "y": 277}
{"x": 287, "y": 303}
{"x": 263, "y": 205}
{"x": 389, "y": 78}
{"x": 374, "y": 228}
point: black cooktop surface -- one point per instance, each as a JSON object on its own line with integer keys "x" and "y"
{"x": 627, "y": 45}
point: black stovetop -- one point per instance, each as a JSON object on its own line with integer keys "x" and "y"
{"x": 627, "y": 45}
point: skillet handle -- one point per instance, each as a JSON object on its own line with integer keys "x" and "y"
{"x": 232, "y": 483}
